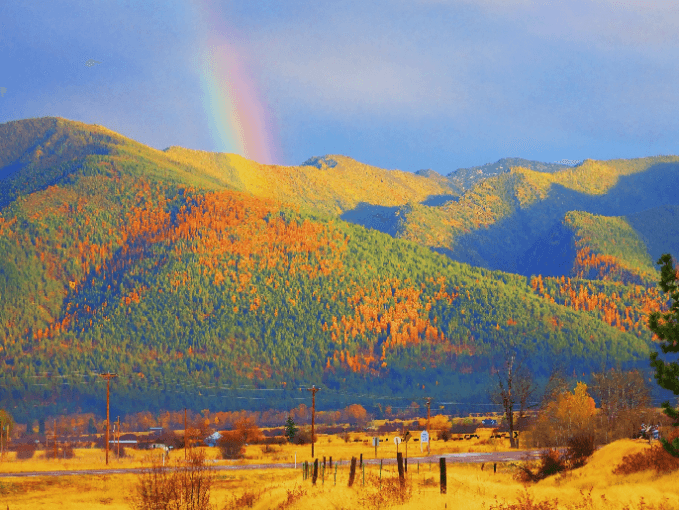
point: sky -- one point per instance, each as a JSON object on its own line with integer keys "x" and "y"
{"x": 406, "y": 84}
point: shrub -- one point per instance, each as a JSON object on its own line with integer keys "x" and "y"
{"x": 551, "y": 463}
{"x": 269, "y": 449}
{"x": 443, "y": 435}
{"x": 580, "y": 448}
{"x": 464, "y": 428}
{"x": 303, "y": 436}
{"x": 654, "y": 458}
{"x": 68, "y": 452}
{"x": 231, "y": 444}
{"x": 63, "y": 452}
{"x": 379, "y": 494}
{"x": 25, "y": 451}
{"x": 186, "y": 486}
{"x": 292, "y": 497}
{"x": 525, "y": 502}
{"x": 118, "y": 453}
{"x": 279, "y": 440}
{"x": 247, "y": 499}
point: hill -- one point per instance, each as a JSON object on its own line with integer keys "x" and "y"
{"x": 145, "y": 263}
{"x": 465, "y": 178}
{"x": 504, "y": 222}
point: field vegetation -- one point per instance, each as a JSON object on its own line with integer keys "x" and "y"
{"x": 598, "y": 484}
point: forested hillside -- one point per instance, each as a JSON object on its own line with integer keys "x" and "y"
{"x": 126, "y": 259}
{"x": 517, "y": 221}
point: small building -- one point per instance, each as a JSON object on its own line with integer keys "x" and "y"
{"x": 212, "y": 439}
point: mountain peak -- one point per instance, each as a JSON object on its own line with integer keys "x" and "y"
{"x": 321, "y": 162}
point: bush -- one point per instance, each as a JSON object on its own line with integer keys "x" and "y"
{"x": 303, "y": 436}
{"x": 279, "y": 440}
{"x": 114, "y": 450}
{"x": 247, "y": 499}
{"x": 526, "y": 502}
{"x": 464, "y": 428}
{"x": 383, "y": 493}
{"x": 551, "y": 463}
{"x": 580, "y": 448}
{"x": 293, "y": 496}
{"x": 68, "y": 452}
{"x": 25, "y": 451}
{"x": 231, "y": 445}
{"x": 63, "y": 452}
{"x": 443, "y": 435}
{"x": 187, "y": 485}
{"x": 654, "y": 458}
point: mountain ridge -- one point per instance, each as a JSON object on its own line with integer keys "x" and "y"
{"x": 164, "y": 266}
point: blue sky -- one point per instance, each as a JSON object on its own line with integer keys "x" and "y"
{"x": 438, "y": 84}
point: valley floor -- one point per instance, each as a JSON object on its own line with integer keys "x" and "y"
{"x": 470, "y": 486}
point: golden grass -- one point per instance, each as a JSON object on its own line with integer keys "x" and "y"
{"x": 326, "y": 445}
{"x": 469, "y": 486}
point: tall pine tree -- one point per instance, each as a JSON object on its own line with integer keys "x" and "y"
{"x": 666, "y": 327}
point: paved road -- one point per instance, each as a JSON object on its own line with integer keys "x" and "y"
{"x": 510, "y": 456}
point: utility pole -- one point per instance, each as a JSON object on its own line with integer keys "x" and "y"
{"x": 313, "y": 391}
{"x": 186, "y": 445}
{"x": 428, "y": 417}
{"x": 108, "y": 377}
{"x": 55, "y": 439}
{"x": 118, "y": 436}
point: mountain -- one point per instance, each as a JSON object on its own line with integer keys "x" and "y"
{"x": 502, "y": 221}
{"x": 199, "y": 278}
{"x": 463, "y": 179}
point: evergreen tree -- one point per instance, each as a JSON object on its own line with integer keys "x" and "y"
{"x": 666, "y": 327}
{"x": 290, "y": 428}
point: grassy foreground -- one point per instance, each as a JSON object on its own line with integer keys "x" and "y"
{"x": 470, "y": 486}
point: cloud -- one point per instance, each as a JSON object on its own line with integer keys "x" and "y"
{"x": 605, "y": 24}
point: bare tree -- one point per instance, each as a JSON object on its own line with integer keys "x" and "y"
{"x": 514, "y": 387}
{"x": 624, "y": 399}
{"x": 556, "y": 385}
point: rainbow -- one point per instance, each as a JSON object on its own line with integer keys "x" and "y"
{"x": 238, "y": 119}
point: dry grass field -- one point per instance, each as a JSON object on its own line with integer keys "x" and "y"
{"x": 326, "y": 445}
{"x": 470, "y": 486}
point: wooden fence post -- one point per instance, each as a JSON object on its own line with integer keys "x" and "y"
{"x": 330, "y": 462}
{"x": 313, "y": 480}
{"x": 401, "y": 475}
{"x": 444, "y": 480}
{"x": 494, "y": 467}
{"x": 361, "y": 464}
{"x": 352, "y": 472}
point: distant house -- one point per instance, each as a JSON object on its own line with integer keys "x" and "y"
{"x": 156, "y": 430}
{"x": 489, "y": 422}
{"x": 211, "y": 440}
